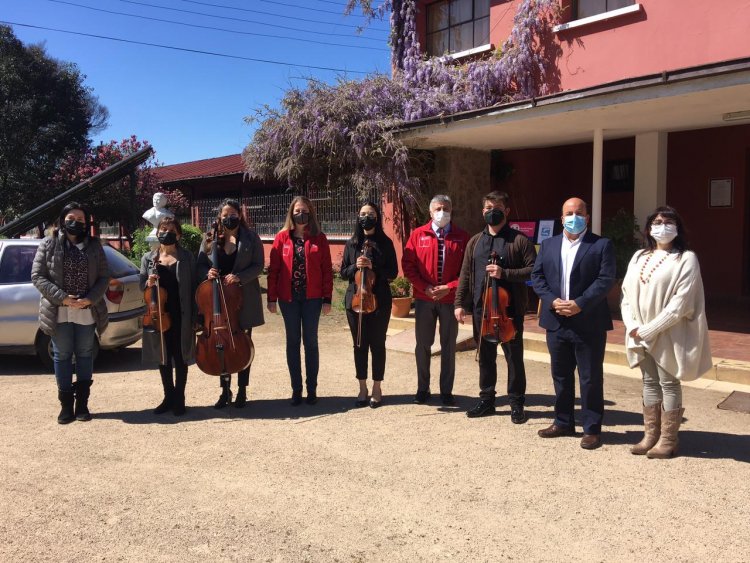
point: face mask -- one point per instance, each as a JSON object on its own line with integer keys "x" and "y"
{"x": 301, "y": 218}
{"x": 574, "y": 224}
{"x": 167, "y": 238}
{"x": 441, "y": 218}
{"x": 231, "y": 222}
{"x": 494, "y": 217}
{"x": 664, "y": 233}
{"x": 75, "y": 228}
{"x": 367, "y": 222}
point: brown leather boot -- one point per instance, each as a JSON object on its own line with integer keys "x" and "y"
{"x": 667, "y": 445}
{"x": 652, "y": 429}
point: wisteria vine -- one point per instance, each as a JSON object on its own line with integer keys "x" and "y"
{"x": 331, "y": 136}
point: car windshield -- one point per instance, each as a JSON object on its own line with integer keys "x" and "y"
{"x": 119, "y": 266}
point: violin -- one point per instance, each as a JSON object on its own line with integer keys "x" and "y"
{"x": 364, "y": 301}
{"x": 156, "y": 318}
{"x": 222, "y": 348}
{"x": 497, "y": 326}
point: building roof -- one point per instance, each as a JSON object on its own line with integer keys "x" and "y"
{"x": 207, "y": 168}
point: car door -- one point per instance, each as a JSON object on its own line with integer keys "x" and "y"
{"x": 19, "y": 299}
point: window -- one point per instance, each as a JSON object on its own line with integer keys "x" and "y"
{"x": 16, "y": 264}
{"x": 457, "y": 25}
{"x": 586, "y": 8}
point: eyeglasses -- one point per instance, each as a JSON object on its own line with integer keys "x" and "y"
{"x": 659, "y": 223}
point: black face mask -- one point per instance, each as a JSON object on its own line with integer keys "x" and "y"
{"x": 368, "y": 222}
{"x": 494, "y": 217}
{"x": 231, "y": 222}
{"x": 75, "y": 228}
{"x": 167, "y": 238}
{"x": 301, "y": 218}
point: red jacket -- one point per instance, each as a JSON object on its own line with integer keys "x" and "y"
{"x": 317, "y": 262}
{"x": 420, "y": 260}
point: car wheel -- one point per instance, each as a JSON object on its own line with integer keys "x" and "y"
{"x": 44, "y": 352}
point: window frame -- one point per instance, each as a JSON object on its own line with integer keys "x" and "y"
{"x": 577, "y": 15}
{"x": 430, "y": 32}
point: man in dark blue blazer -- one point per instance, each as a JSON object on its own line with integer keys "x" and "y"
{"x": 572, "y": 275}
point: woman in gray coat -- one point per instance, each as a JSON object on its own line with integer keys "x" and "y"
{"x": 174, "y": 268}
{"x": 70, "y": 271}
{"x": 240, "y": 261}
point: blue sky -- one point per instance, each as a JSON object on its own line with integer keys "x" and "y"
{"x": 191, "y": 106}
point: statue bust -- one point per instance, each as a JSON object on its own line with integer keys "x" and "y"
{"x": 154, "y": 215}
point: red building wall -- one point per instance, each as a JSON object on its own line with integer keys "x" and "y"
{"x": 665, "y": 35}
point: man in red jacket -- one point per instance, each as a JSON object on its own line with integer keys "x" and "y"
{"x": 432, "y": 262}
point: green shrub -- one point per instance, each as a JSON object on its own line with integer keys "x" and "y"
{"x": 622, "y": 229}
{"x": 191, "y": 240}
{"x": 400, "y": 287}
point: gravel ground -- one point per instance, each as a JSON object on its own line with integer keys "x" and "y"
{"x": 332, "y": 483}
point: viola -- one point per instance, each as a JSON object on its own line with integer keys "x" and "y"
{"x": 364, "y": 301}
{"x": 156, "y": 318}
{"x": 497, "y": 326}
{"x": 222, "y": 348}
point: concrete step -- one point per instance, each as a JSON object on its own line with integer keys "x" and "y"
{"x": 535, "y": 346}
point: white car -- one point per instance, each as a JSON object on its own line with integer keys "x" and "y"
{"x": 19, "y": 303}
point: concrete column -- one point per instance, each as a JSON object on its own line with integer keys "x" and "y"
{"x": 650, "y": 174}
{"x": 596, "y": 187}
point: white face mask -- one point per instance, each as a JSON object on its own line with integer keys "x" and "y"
{"x": 441, "y": 218}
{"x": 664, "y": 233}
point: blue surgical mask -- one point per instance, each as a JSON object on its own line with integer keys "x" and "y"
{"x": 574, "y": 224}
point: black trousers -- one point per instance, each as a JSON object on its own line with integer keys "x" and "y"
{"x": 568, "y": 350}
{"x": 173, "y": 353}
{"x": 513, "y": 351}
{"x": 374, "y": 328}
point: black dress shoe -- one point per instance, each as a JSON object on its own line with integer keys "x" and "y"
{"x": 361, "y": 403}
{"x": 312, "y": 398}
{"x": 482, "y": 408}
{"x": 421, "y": 397}
{"x": 447, "y": 399}
{"x": 296, "y": 399}
{"x": 375, "y": 404}
{"x": 518, "y": 415}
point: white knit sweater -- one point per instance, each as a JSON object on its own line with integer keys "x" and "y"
{"x": 669, "y": 312}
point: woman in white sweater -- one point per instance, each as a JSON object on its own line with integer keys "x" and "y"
{"x": 663, "y": 309}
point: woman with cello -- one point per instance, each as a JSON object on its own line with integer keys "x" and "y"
{"x": 300, "y": 279}
{"x": 168, "y": 280}
{"x": 239, "y": 261}
{"x": 369, "y": 263}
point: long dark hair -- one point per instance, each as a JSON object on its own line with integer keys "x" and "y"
{"x": 67, "y": 209}
{"x": 680, "y": 242}
{"x": 233, "y": 203}
{"x": 359, "y": 232}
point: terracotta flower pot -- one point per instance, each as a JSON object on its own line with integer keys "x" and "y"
{"x": 401, "y": 306}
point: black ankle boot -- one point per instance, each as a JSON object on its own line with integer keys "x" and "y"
{"x": 179, "y": 390}
{"x": 168, "y": 386}
{"x": 226, "y": 394}
{"x": 66, "y": 415}
{"x": 82, "y": 391}
{"x": 241, "y": 400}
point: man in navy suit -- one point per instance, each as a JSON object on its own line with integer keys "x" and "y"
{"x": 572, "y": 275}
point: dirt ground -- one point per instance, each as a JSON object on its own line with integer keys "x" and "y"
{"x": 333, "y": 483}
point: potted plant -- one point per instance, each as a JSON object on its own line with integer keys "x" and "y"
{"x": 401, "y": 293}
{"x": 622, "y": 229}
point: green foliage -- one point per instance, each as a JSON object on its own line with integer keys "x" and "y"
{"x": 400, "y": 287}
{"x": 46, "y": 114}
{"x": 622, "y": 229}
{"x": 191, "y": 238}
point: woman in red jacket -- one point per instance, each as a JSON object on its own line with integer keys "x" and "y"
{"x": 300, "y": 278}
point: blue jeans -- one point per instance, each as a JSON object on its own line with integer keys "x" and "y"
{"x": 301, "y": 318}
{"x": 69, "y": 339}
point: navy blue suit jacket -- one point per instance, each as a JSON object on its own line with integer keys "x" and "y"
{"x": 592, "y": 276}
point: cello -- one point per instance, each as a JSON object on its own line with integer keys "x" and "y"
{"x": 156, "y": 318}
{"x": 222, "y": 348}
{"x": 497, "y": 326}
{"x": 364, "y": 301}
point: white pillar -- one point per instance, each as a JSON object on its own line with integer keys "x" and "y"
{"x": 596, "y": 187}
{"x": 650, "y": 174}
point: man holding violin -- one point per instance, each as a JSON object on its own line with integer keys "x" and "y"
{"x": 513, "y": 259}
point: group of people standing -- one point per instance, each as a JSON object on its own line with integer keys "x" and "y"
{"x": 662, "y": 306}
